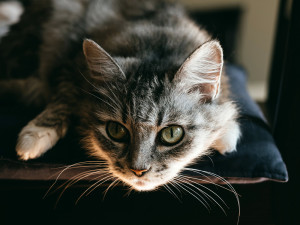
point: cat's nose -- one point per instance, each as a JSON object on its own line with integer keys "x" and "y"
{"x": 139, "y": 173}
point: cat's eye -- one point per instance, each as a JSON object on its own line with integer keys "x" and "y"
{"x": 117, "y": 132}
{"x": 171, "y": 135}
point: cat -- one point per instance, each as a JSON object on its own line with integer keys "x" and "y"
{"x": 145, "y": 84}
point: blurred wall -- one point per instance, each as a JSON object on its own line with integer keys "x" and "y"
{"x": 256, "y": 37}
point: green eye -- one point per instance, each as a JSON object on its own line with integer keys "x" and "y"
{"x": 117, "y": 132}
{"x": 172, "y": 135}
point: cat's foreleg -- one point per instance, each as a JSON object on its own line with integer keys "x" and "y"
{"x": 228, "y": 138}
{"x": 43, "y": 132}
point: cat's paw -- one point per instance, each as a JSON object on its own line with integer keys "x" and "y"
{"x": 34, "y": 141}
{"x": 228, "y": 141}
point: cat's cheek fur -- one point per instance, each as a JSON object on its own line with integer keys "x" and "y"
{"x": 94, "y": 149}
{"x": 34, "y": 141}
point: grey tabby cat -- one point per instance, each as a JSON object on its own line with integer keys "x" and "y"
{"x": 147, "y": 87}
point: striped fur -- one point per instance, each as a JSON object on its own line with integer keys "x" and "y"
{"x": 144, "y": 64}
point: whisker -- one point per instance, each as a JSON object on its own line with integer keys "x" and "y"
{"x": 130, "y": 189}
{"x": 196, "y": 193}
{"x": 88, "y": 81}
{"x": 102, "y": 92}
{"x": 181, "y": 186}
{"x": 210, "y": 181}
{"x": 79, "y": 177}
{"x": 98, "y": 183}
{"x": 85, "y": 162}
{"x": 111, "y": 185}
{"x": 118, "y": 181}
{"x": 173, "y": 183}
{"x": 224, "y": 181}
{"x": 99, "y": 99}
{"x": 99, "y": 90}
{"x": 207, "y": 195}
{"x": 212, "y": 162}
{"x": 217, "y": 176}
{"x": 190, "y": 179}
{"x": 113, "y": 93}
{"x": 95, "y": 185}
{"x": 171, "y": 191}
{"x": 75, "y": 179}
{"x": 75, "y": 165}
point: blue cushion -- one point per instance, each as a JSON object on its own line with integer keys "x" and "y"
{"x": 257, "y": 158}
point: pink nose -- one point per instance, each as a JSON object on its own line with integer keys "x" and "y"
{"x": 139, "y": 173}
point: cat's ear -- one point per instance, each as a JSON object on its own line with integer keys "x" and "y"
{"x": 202, "y": 71}
{"x": 101, "y": 65}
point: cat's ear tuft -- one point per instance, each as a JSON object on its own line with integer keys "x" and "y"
{"x": 202, "y": 71}
{"x": 101, "y": 65}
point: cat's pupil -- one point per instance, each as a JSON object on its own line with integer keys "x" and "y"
{"x": 116, "y": 128}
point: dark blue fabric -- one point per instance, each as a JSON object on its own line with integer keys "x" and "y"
{"x": 256, "y": 157}
{"x": 238, "y": 80}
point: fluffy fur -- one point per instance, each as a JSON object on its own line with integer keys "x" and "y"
{"x": 143, "y": 64}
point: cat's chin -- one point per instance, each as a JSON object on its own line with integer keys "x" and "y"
{"x": 143, "y": 186}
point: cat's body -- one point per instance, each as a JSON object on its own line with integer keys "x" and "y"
{"x": 150, "y": 100}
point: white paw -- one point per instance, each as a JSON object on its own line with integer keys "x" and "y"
{"x": 10, "y": 12}
{"x": 228, "y": 141}
{"x": 34, "y": 141}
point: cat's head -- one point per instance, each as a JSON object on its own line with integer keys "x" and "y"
{"x": 148, "y": 126}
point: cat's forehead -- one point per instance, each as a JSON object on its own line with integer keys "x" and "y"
{"x": 161, "y": 107}
{"x": 152, "y": 100}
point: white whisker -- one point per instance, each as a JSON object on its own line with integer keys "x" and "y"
{"x": 185, "y": 189}
{"x": 207, "y": 195}
{"x": 225, "y": 182}
{"x": 111, "y": 185}
{"x": 210, "y": 182}
{"x": 190, "y": 179}
{"x": 100, "y": 100}
{"x": 130, "y": 189}
{"x": 75, "y": 165}
{"x": 98, "y": 183}
{"x": 173, "y": 183}
{"x": 171, "y": 191}
{"x": 99, "y": 90}
{"x": 75, "y": 179}
{"x": 113, "y": 93}
{"x": 196, "y": 193}
{"x": 94, "y": 186}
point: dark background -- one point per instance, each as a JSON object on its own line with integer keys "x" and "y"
{"x": 266, "y": 203}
